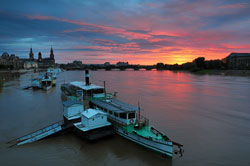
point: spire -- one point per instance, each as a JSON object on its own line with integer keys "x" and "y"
{"x": 51, "y": 53}
{"x": 40, "y": 57}
{"x": 31, "y": 54}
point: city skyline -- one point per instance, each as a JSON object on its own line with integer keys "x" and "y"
{"x": 140, "y": 32}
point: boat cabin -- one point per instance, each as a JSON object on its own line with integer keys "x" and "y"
{"x": 46, "y": 80}
{"x": 78, "y": 89}
{"x": 91, "y": 91}
{"x": 72, "y": 109}
{"x": 92, "y": 119}
{"x": 118, "y": 111}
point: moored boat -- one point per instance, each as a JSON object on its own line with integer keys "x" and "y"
{"x": 125, "y": 118}
{"x": 37, "y": 82}
{"x": 93, "y": 125}
{"x": 46, "y": 82}
{"x": 131, "y": 125}
{"x": 75, "y": 90}
{"x": 53, "y": 73}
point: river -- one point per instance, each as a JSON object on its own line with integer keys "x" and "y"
{"x": 209, "y": 115}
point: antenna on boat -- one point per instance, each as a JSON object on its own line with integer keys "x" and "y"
{"x": 105, "y": 94}
{"x": 139, "y": 108}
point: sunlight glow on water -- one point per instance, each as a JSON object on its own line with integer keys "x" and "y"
{"x": 210, "y": 115}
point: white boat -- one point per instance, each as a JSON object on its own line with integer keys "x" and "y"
{"x": 36, "y": 83}
{"x": 133, "y": 126}
{"x": 90, "y": 124}
{"x": 46, "y": 82}
{"x": 53, "y": 73}
{"x": 77, "y": 89}
{"x": 94, "y": 125}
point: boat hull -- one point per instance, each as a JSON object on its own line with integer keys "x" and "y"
{"x": 54, "y": 82}
{"x": 94, "y": 134}
{"x": 165, "y": 148}
{"x": 36, "y": 84}
{"x": 47, "y": 87}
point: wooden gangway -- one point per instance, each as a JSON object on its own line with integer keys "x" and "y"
{"x": 39, "y": 134}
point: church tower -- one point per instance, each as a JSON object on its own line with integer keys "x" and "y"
{"x": 31, "y": 54}
{"x": 52, "y": 54}
{"x": 40, "y": 57}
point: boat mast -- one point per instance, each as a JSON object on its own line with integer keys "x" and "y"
{"x": 105, "y": 94}
{"x": 139, "y": 110}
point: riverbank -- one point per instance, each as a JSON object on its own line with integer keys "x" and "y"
{"x": 21, "y": 71}
{"x": 224, "y": 72}
{"x": 7, "y": 75}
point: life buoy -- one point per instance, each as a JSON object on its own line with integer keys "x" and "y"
{"x": 131, "y": 121}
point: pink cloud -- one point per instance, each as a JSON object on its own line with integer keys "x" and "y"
{"x": 236, "y": 5}
{"x": 170, "y": 45}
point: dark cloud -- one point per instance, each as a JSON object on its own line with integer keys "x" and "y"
{"x": 130, "y": 27}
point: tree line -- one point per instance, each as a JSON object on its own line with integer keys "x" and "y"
{"x": 196, "y": 65}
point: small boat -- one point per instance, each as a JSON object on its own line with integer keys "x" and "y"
{"x": 46, "y": 82}
{"x": 36, "y": 83}
{"x": 94, "y": 125}
{"x": 90, "y": 124}
{"x": 76, "y": 89}
{"x": 53, "y": 73}
{"x": 131, "y": 125}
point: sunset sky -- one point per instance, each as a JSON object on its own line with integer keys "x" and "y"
{"x": 137, "y": 31}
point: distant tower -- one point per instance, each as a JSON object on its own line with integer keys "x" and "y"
{"x": 31, "y": 54}
{"x": 40, "y": 57}
{"x": 51, "y": 54}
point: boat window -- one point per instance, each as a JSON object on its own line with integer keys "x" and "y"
{"x": 98, "y": 91}
{"x": 88, "y": 92}
{"x": 110, "y": 112}
{"x": 131, "y": 115}
{"x": 116, "y": 114}
{"x": 123, "y": 115}
{"x": 105, "y": 110}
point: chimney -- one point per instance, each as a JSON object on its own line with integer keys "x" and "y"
{"x": 87, "y": 77}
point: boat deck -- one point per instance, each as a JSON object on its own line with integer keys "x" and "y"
{"x": 144, "y": 132}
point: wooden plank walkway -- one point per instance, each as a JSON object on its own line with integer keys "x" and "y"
{"x": 39, "y": 134}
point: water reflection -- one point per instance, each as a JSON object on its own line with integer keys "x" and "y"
{"x": 208, "y": 114}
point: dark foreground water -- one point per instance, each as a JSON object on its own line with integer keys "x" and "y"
{"x": 210, "y": 115}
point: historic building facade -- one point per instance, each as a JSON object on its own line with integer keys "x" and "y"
{"x": 9, "y": 61}
{"x": 14, "y": 62}
{"x": 46, "y": 62}
{"x": 238, "y": 61}
{"x": 40, "y": 62}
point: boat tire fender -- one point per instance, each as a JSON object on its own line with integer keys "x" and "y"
{"x": 131, "y": 121}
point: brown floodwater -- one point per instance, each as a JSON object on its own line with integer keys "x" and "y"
{"x": 210, "y": 115}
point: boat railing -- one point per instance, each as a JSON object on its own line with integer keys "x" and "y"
{"x": 117, "y": 121}
{"x": 161, "y": 141}
{"x": 156, "y": 132}
{"x": 142, "y": 120}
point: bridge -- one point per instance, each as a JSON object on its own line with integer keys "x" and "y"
{"x": 111, "y": 67}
